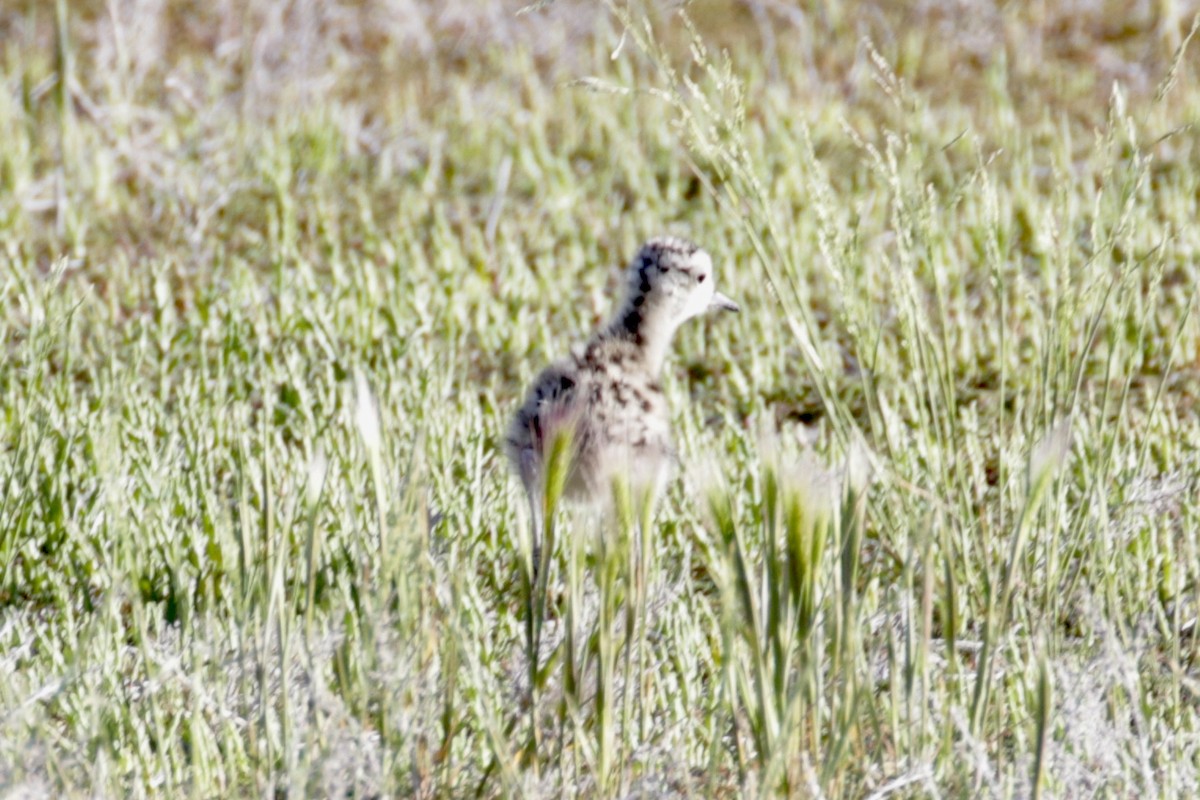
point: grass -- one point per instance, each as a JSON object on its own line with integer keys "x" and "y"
{"x": 274, "y": 276}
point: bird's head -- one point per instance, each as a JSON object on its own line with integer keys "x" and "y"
{"x": 672, "y": 280}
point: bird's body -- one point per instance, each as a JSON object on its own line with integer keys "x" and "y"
{"x": 607, "y": 394}
{"x": 617, "y": 415}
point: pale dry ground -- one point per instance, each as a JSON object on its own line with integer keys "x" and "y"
{"x": 274, "y": 275}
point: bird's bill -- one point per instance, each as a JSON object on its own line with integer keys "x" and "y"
{"x": 723, "y": 303}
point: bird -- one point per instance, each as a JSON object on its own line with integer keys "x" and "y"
{"x": 607, "y": 394}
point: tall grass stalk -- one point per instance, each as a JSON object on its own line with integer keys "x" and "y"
{"x": 1046, "y": 461}
{"x": 792, "y": 616}
{"x": 538, "y": 556}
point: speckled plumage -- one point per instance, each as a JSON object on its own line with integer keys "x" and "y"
{"x": 609, "y": 390}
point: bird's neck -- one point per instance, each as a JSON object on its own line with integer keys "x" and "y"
{"x": 649, "y": 332}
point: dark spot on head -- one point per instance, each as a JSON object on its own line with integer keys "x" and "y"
{"x": 701, "y": 278}
{"x": 646, "y": 404}
{"x": 637, "y": 301}
{"x": 633, "y": 321}
{"x": 644, "y": 287}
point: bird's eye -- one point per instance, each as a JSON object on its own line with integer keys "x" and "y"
{"x": 701, "y": 279}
